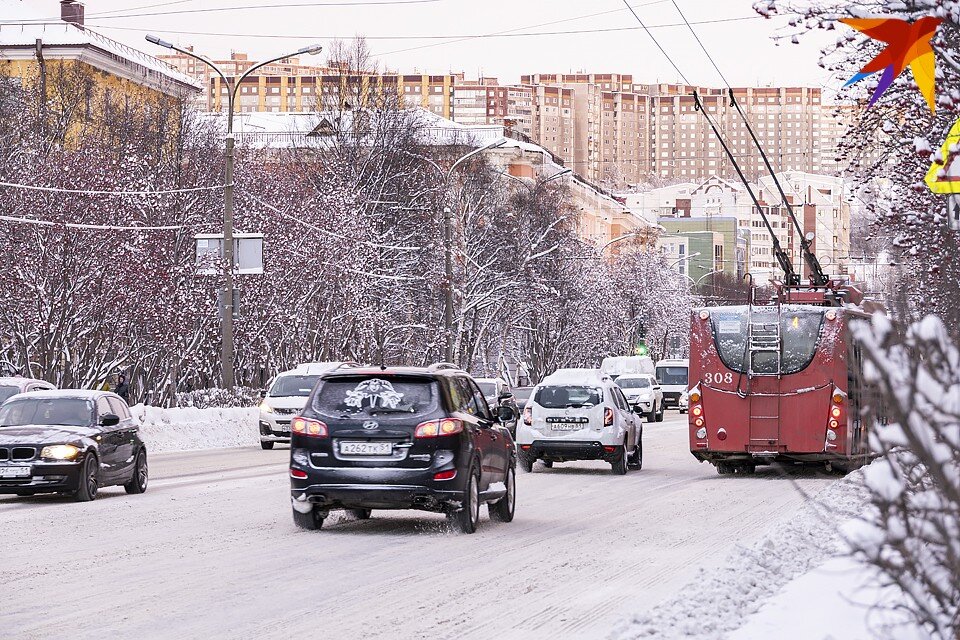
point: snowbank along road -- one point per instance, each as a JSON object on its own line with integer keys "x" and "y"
{"x": 210, "y": 551}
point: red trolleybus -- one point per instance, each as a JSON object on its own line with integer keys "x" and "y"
{"x": 775, "y": 382}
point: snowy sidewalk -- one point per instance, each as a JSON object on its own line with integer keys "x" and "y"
{"x": 798, "y": 581}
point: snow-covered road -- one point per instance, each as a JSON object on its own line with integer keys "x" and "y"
{"x": 210, "y": 551}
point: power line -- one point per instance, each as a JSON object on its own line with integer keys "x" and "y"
{"x": 455, "y": 38}
{"x": 656, "y": 42}
{"x": 358, "y": 3}
{"x": 92, "y": 192}
{"x": 93, "y": 227}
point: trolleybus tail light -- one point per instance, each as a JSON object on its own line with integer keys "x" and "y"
{"x": 722, "y": 434}
{"x": 308, "y": 427}
{"x": 833, "y": 423}
{"x": 837, "y": 397}
{"x": 831, "y": 435}
{"x": 697, "y": 410}
{"x": 607, "y": 417}
{"x": 704, "y": 314}
{"x": 831, "y": 314}
{"x": 835, "y": 412}
{"x": 702, "y": 433}
{"x": 698, "y": 422}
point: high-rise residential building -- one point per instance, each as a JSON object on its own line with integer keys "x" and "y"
{"x": 629, "y": 133}
{"x": 477, "y": 102}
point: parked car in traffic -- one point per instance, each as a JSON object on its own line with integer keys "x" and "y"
{"x": 497, "y": 391}
{"x": 616, "y": 366}
{"x": 11, "y": 386}
{"x": 285, "y": 396}
{"x": 521, "y": 395}
{"x": 579, "y": 414}
{"x": 71, "y": 442}
{"x": 672, "y": 376}
{"x": 401, "y": 438}
{"x": 643, "y": 392}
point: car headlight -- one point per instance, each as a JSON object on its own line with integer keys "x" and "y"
{"x": 60, "y": 452}
{"x": 265, "y": 407}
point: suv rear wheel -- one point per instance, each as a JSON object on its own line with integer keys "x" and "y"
{"x": 525, "y": 461}
{"x": 652, "y": 415}
{"x": 619, "y": 464}
{"x": 636, "y": 460}
{"x": 660, "y": 413}
{"x": 467, "y": 517}
{"x": 311, "y": 520}
{"x": 502, "y": 509}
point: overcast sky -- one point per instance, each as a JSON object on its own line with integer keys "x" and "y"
{"x": 742, "y": 48}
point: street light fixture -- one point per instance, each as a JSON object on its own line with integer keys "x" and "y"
{"x": 226, "y": 303}
{"x": 448, "y": 249}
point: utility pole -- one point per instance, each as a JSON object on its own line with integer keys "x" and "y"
{"x": 226, "y": 301}
{"x": 448, "y": 284}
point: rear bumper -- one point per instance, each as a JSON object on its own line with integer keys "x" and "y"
{"x": 380, "y": 487}
{"x": 561, "y": 451}
{"x": 44, "y": 478}
{"x": 672, "y": 399}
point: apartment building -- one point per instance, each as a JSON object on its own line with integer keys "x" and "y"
{"x": 626, "y": 132}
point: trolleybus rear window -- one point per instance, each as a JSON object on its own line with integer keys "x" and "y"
{"x": 799, "y": 333}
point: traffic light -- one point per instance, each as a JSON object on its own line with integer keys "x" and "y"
{"x": 641, "y": 349}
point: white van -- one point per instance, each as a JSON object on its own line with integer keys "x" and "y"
{"x": 621, "y": 365}
{"x": 672, "y": 376}
{"x": 286, "y": 396}
{"x": 579, "y": 414}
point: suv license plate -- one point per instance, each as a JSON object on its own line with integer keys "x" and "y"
{"x": 14, "y": 472}
{"x": 565, "y": 426}
{"x": 366, "y": 448}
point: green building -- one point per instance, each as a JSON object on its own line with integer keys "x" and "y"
{"x": 716, "y": 243}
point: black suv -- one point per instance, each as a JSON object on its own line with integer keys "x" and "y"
{"x": 401, "y": 438}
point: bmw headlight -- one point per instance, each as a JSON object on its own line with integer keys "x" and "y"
{"x": 60, "y": 452}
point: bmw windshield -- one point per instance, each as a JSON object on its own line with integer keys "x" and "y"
{"x": 75, "y": 412}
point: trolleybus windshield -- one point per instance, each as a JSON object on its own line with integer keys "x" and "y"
{"x": 799, "y": 333}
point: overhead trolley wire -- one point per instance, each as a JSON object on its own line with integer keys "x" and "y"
{"x": 94, "y": 192}
{"x": 816, "y": 271}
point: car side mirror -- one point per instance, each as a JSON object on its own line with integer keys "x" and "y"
{"x": 109, "y": 420}
{"x": 506, "y": 413}
{"x": 263, "y": 394}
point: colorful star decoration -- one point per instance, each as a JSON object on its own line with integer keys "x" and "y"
{"x": 908, "y": 44}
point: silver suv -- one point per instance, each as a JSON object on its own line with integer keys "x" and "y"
{"x": 643, "y": 393}
{"x": 579, "y": 414}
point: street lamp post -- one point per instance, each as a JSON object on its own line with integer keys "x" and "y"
{"x": 448, "y": 241}
{"x": 226, "y": 303}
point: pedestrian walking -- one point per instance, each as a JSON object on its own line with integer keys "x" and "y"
{"x": 123, "y": 389}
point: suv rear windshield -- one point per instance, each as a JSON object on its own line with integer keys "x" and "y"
{"x": 7, "y": 391}
{"x": 293, "y": 385}
{"x": 488, "y": 389}
{"x": 559, "y": 397}
{"x": 633, "y": 383}
{"x": 43, "y": 411}
{"x": 799, "y": 329}
{"x": 372, "y": 396}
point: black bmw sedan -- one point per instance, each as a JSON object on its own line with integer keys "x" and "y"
{"x": 71, "y": 442}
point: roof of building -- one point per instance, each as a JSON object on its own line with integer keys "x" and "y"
{"x": 59, "y": 34}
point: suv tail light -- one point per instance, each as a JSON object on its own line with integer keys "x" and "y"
{"x": 608, "y": 417}
{"x": 528, "y": 415}
{"x": 308, "y": 427}
{"x": 436, "y": 428}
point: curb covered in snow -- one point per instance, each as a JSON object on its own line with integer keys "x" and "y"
{"x": 719, "y": 601}
{"x": 189, "y": 428}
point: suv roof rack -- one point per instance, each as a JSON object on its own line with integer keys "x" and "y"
{"x": 438, "y": 366}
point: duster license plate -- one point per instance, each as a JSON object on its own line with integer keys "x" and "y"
{"x": 366, "y": 448}
{"x": 7, "y": 471}
{"x": 565, "y": 426}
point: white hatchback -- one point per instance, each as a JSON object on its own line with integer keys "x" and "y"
{"x": 579, "y": 414}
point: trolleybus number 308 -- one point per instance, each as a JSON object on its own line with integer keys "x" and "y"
{"x": 718, "y": 378}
